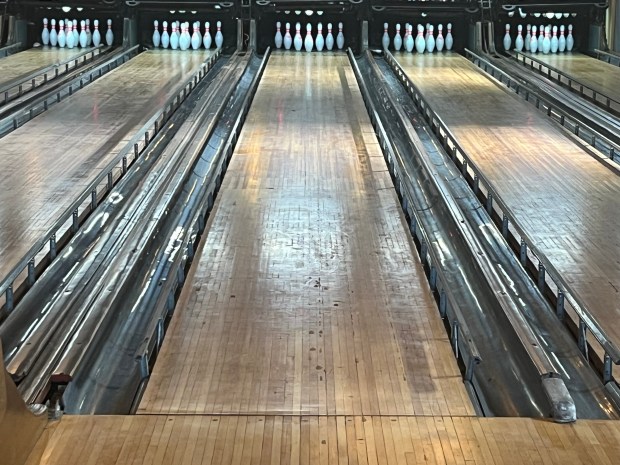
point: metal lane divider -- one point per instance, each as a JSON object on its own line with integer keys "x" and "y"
{"x": 607, "y": 57}
{"x": 38, "y": 106}
{"x": 10, "y": 49}
{"x": 22, "y": 84}
{"x": 570, "y": 307}
{"x": 462, "y": 342}
{"x": 23, "y": 275}
{"x": 571, "y": 123}
{"x": 562, "y": 78}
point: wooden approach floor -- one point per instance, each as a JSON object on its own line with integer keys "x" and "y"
{"x": 28, "y": 61}
{"x": 308, "y": 297}
{"x": 47, "y": 163}
{"x": 567, "y": 200}
{"x": 597, "y": 74}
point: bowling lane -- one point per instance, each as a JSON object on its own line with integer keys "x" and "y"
{"x": 47, "y": 163}
{"x": 28, "y": 61}
{"x": 307, "y": 296}
{"x": 600, "y": 76}
{"x": 567, "y": 201}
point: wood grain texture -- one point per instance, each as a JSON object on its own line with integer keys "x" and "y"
{"x": 398, "y": 440}
{"x": 566, "y": 200}
{"x": 307, "y": 297}
{"x": 47, "y": 163}
{"x": 28, "y": 61}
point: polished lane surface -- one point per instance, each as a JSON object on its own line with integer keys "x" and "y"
{"x": 566, "y": 199}
{"x": 308, "y": 297}
{"x": 47, "y": 163}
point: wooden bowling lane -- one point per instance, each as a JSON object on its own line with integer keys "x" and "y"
{"x": 47, "y": 163}
{"x": 567, "y": 201}
{"x": 307, "y": 297}
{"x": 395, "y": 440}
{"x": 29, "y": 61}
{"x": 598, "y": 75}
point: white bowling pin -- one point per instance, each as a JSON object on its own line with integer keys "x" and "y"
{"x": 288, "y": 40}
{"x": 561, "y": 40}
{"x": 53, "y": 34}
{"x": 519, "y": 39}
{"x": 439, "y": 43}
{"x": 156, "y": 34}
{"x": 83, "y": 36}
{"x": 554, "y": 40}
{"x": 528, "y": 37}
{"x": 398, "y": 40}
{"x": 109, "y": 35}
{"x": 430, "y": 42}
{"x": 320, "y": 41}
{"x": 329, "y": 40}
{"x": 409, "y": 42}
{"x": 541, "y": 38}
{"x": 69, "y": 35}
{"x": 196, "y": 39}
{"x": 62, "y": 37}
{"x": 219, "y": 37}
{"x": 297, "y": 41}
{"x": 449, "y": 38}
{"x": 206, "y": 39}
{"x": 45, "y": 34}
{"x": 385, "y": 40}
{"x": 427, "y": 28}
{"x": 96, "y": 34}
{"x": 89, "y": 34}
{"x": 186, "y": 39}
{"x": 340, "y": 37}
{"x": 570, "y": 41}
{"x": 165, "y": 37}
{"x": 174, "y": 37}
{"x": 547, "y": 40}
{"x": 76, "y": 34}
{"x": 533, "y": 41}
{"x": 507, "y": 39}
{"x": 308, "y": 41}
{"x": 278, "y": 39}
{"x": 420, "y": 43}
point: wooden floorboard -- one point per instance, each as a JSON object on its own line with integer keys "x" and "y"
{"x": 308, "y": 296}
{"x": 47, "y": 163}
{"x": 274, "y": 439}
{"x": 566, "y": 200}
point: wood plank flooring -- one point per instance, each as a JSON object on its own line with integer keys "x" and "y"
{"x": 24, "y": 63}
{"x": 47, "y": 163}
{"x": 307, "y": 297}
{"x": 568, "y": 202}
{"x": 291, "y": 440}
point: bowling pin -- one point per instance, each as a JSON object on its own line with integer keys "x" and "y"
{"x": 174, "y": 37}
{"x": 541, "y": 38}
{"x": 156, "y": 34}
{"x": 45, "y": 34}
{"x": 206, "y": 39}
{"x": 96, "y": 34}
{"x": 320, "y": 41}
{"x": 439, "y": 43}
{"x": 308, "y": 41}
{"x": 533, "y": 41}
{"x": 398, "y": 41}
{"x": 83, "y": 36}
{"x": 570, "y": 42}
{"x": 62, "y": 37}
{"x": 109, "y": 35}
{"x": 409, "y": 43}
{"x": 196, "y": 39}
{"x": 70, "y": 36}
{"x": 561, "y": 40}
{"x": 297, "y": 41}
{"x": 385, "y": 40}
{"x": 427, "y": 27}
{"x": 89, "y": 35}
{"x": 528, "y": 37}
{"x": 219, "y": 37}
{"x": 420, "y": 43}
{"x": 547, "y": 40}
{"x": 288, "y": 40}
{"x": 185, "y": 40}
{"x": 554, "y": 40}
{"x": 449, "y": 39}
{"x": 519, "y": 39}
{"x": 165, "y": 37}
{"x": 329, "y": 40}
{"x": 340, "y": 37}
{"x": 76, "y": 34}
{"x": 53, "y": 34}
{"x": 430, "y": 42}
{"x": 278, "y": 38}
{"x": 507, "y": 39}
